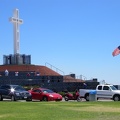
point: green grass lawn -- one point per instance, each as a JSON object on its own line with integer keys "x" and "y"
{"x": 60, "y": 110}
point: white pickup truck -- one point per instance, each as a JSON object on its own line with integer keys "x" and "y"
{"x": 102, "y": 91}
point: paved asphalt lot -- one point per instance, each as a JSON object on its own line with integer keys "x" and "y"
{"x": 83, "y": 100}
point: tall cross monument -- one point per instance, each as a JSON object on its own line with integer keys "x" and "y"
{"x": 16, "y": 58}
{"x": 16, "y": 22}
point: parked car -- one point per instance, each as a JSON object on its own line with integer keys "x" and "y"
{"x": 105, "y": 91}
{"x": 14, "y": 92}
{"x": 44, "y": 94}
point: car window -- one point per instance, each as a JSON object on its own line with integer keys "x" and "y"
{"x": 5, "y": 87}
{"x": 37, "y": 90}
{"x": 105, "y": 88}
{"x": 47, "y": 91}
{"x": 99, "y": 87}
{"x": 113, "y": 88}
{"x": 19, "y": 88}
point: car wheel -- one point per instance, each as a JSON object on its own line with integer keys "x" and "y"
{"x": 66, "y": 98}
{"x": 116, "y": 98}
{"x": 87, "y": 97}
{"x": 1, "y": 98}
{"x": 45, "y": 99}
{"x": 13, "y": 98}
{"x": 28, "y": 100}
{"x": 79, "y": 99}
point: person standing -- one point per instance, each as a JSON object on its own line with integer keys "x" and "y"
{"x": 84, "y": 85}
{"x": 6, "y": 72}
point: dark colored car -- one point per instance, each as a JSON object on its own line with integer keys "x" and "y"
{"x": 14, "y": 92}
{"x": 44, "y": 94}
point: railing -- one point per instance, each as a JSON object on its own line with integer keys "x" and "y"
{"x": 102, "y": 82}
{"x": 53, "y": 67}
{"x": 82, "y": 77}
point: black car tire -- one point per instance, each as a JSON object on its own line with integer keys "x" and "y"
{"x": 87, "y": 97}
{"x": 116, "y": 98}
{"x": 1, "y": 98}
{"x": 28, "y": 100}
{"x": 79, "y": 99}
{"x": 45, "y": 98}
{"x": 66, "y": 98}
{"x": 13, "y": 98}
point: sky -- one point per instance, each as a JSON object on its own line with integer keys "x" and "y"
{"x": 75, "y": 36}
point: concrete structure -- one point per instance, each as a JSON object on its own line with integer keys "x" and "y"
{"x": 16, "y": 59}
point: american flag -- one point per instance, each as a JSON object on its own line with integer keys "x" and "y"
{"x": 116, "y": 51}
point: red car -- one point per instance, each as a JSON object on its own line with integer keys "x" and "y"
{"x": 44, "y": 94}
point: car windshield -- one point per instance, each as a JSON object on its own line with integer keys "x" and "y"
{"x": 18, "y": 88}
{"x": 113, "y": 88}
{"x": 47, "y": 91}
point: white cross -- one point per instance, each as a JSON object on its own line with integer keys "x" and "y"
{"x": 16, "y": 21}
